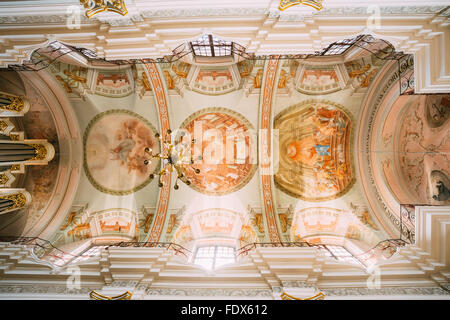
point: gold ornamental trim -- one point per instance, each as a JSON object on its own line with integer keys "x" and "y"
{"x": 19, "y": 200}
{"x": 17, "y": 103}
{"x": 41, "y": 152}
{"x": 3, "y": 126}
{"x": 319, "y": 296}
{"x": 94, "y": 295}
{"x": 316, "y": 4}
{"x": 14, "y": 137}
{"x": 3, "y": 179}
{"x": 96, "y": 6}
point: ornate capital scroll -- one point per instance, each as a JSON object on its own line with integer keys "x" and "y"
{"x": 96, "y": 6}
{"x": 164, "y": 193}
{"x": 265, "y": 128}
{"x": 316, "y": 4}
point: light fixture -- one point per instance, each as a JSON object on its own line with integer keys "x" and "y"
{"x": 174, "y": 157}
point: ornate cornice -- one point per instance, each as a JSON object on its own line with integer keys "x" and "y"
{"x": 384, "y": 291}
{"x": 211, "y": 292}
{"x": 87, "y": 131}
{"x": 443, "y": 11}
{"x": 45, "y": 289}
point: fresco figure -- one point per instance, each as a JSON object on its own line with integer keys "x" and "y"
{"x": 322, "y": 150}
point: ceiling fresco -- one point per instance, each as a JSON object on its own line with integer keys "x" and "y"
{"x": 309, "y": 107}
{"x": 424, "y": 145}
{"x": 214, "y": 81}
{"x": 318, "y": 80}
{"x": 227, "y": 150}
{"x": 114, "y": 144}
{"x": 114, "y": 83}
{"x": 314, "y": 151}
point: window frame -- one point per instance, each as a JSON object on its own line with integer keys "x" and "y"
{"x": 214, "y": 45}
{"x": 214, "y": 257}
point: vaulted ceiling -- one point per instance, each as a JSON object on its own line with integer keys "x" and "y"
{"x": 347, "y": 143}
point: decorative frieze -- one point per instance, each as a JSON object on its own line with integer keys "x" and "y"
{"x": 384, "y": 291}
{"x": 45, "y": 290}
{"x": 208, "y": 292}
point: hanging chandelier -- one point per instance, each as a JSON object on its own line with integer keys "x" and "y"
{"x": 174, "y": 157}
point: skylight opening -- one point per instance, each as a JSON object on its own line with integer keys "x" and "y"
{"x": 340, "y": 47}
{"x": 89, "y": 253}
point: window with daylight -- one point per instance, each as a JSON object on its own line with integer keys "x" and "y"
{"x": 214, "y": 256}
{"x": 340, "y": 47}
{"x": 209, "y": 46}
{"x": 89, "y": 253}
{"x": 339, "y": 253}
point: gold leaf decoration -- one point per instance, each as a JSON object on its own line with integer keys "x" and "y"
{"x": 18, "y": 198}
{"x": 17, "y": 104}
{"x": 96, "y": 6}
{"x": 316, "y": 4}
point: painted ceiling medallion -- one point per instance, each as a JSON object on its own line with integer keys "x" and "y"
{"x": 314, "y": 147}
{"x": 227, "y": 150}
{"x": 96, "y": 6}
{"x": 114, "y": 143}
{"x": 316, "y": 4}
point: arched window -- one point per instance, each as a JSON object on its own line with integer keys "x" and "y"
{"x": 339, "y": 253}
{"x": 209, "y": 46}
{"x": 212, "y": 257}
